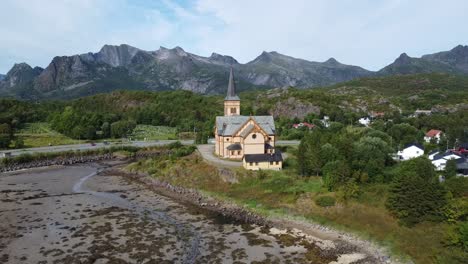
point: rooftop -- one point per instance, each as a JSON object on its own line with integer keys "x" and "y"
{"x": 264, "y": 157}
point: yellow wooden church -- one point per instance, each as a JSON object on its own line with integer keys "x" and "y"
{"x": 247, "y": 138}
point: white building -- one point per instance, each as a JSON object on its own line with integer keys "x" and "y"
{"x": 411, "y": 151}
{"x": 433, "y": 134}
{"x": 365, "y": 121}
{"x": 440, "y": 160}
{"x": 325, "y": 121}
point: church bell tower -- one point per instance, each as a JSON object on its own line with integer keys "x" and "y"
{"x": 232, "y": 101}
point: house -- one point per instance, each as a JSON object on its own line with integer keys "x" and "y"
{"x": 365, "y": 121}
{"x": 374, "y": 115}
{"x": 421, "y": 112}
{"x": 411, "y": 151}
{"x": 440, "y": 160}
{"x": 462, "y": 149}
{"x": 462, "y": 167}
{"x": 433, "y": 134}
{"x": 247, "y": 138}
{"x": 325, "y": 121}
{"x": 263, "y": 161}
{"x": 431, "y": 154}
{"x": 303, "y": 124}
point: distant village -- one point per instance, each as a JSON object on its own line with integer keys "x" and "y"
{"x": 438, "y": 157}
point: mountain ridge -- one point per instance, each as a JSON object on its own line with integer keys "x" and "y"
{"x": 125, "y": 67}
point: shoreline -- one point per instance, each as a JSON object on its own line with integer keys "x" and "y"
{"x": 317, "y": 233}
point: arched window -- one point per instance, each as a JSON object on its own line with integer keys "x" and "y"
{"x": 254, "y": 136}
{"x": 233, "y": 110}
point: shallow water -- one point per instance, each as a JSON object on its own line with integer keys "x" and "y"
{"x": 75, "y": 215}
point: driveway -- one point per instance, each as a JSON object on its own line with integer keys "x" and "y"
{"x": 207, "y": 152}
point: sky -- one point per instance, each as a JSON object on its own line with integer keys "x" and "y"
{"x": 367, "y": 33}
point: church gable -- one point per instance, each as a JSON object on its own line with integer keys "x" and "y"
{"x": 251, "y": 126}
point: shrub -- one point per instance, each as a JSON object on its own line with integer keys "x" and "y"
{"x": 325, "y": 201}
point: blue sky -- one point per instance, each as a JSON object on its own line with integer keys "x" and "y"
{"x": 368, "y": 33}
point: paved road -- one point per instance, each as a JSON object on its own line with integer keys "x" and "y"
{"x": 88, "y": 146}
{"x": 207, "y": 152}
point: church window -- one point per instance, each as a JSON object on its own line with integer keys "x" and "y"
{"x": 233, "y": 110}
{"x": 256, "y": 163}
{"x": 251, "y": 163}
{"x": 254, "y": 136}
{"x": 227, "y": 139}
{"x": 271, "y": 162}
{"x": 277, "y": 163}
{"x": 238, "y": 152}
{"x": 232, "y": 152}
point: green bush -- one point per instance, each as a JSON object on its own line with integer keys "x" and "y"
{"x": 325, "y": 201}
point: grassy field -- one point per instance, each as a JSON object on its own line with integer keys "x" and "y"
{"x": 153, "y": 132}
{"x": 284, "y": 193}
{"x": 40, "y": 135}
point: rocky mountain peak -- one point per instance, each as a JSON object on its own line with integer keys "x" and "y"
{"x": 403, "y": 59}
{"x": 116, "y": 55}
{"x": 264, "y": 57}
{"x": 224, "y": 59}
{"x": 21, "y": 73}
{"x": 332, "y": 62}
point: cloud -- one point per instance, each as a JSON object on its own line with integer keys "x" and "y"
{"x": 361, "y": 32}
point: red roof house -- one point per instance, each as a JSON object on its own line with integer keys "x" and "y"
{"x": 431, "y": 134}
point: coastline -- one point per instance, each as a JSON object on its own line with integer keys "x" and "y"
{"x": 327, "y": 238}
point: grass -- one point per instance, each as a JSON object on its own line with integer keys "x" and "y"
{"x": 40, "y": 135}
{"x": 285, "y": 194}
{"x": 153, "y": 132}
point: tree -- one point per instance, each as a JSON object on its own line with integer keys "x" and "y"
{"x": 414, "y": 199}
{"x": 370, "y": 155}
{"x": 450, "y": 169}
{"x": 122, "y": 128}
{"x": 6, "y": 135}
{"x": 335, "y": 173}
{"x": 308, "y": 154}
{"x": 106, "y": 130}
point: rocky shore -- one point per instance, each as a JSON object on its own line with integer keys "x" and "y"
{"x": 193, "y": 197}
{"x": 343, "y": 243}
{"x": 76, "y": 159}
{"x": 57, "y": 161}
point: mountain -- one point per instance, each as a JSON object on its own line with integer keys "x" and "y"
{"x": 18, "y": 81}
{"x": 126, "y": 67}
{"x": 456, "y": 58}
{"x": 276, "y": 70}
{"x": 454, "y": 61}
{"x": 2, "y": 76}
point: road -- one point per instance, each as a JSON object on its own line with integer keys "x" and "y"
{"x": 88, "y": 146}
{"x": 83, "y": 214}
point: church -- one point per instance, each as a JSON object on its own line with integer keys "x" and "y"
{"x": 247, "y": 138}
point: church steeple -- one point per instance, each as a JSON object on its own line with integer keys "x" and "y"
{"x": 231, "y": 101}
{"x": 231, "y": 93}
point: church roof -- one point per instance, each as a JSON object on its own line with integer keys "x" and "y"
{"x": 235, "y": 146}
{"x": 264, "y": 157}
{"x": 228, "y": 125}
{"x": 231, "y": 93}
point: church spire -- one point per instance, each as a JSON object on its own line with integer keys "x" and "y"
{"x": 231, "y": 93}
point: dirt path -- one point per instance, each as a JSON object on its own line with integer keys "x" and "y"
{"x": 76, "y": 215}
